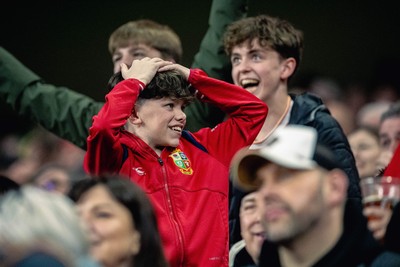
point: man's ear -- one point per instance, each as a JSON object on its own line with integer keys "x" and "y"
{"x": 288, "y": 67}
{"x": 338, "y": 183}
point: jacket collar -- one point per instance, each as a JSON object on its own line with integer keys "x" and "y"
{"x": 305, "y": 107}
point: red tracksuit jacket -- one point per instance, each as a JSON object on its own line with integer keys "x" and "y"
{"x": 188, "y": 187}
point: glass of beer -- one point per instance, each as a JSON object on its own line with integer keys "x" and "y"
{"x": 382, "y": 192}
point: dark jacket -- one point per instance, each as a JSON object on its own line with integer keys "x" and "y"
{"x": 309, "y": 110}
{"x": 239, "y": 257}
{"x": 356, "y": 247}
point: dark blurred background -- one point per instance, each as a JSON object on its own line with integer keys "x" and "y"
{"x": 65, "y": 42}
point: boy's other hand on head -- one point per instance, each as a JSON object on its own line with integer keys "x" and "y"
{"x": 143, "y": 69}
{"x": 183, "y": 70}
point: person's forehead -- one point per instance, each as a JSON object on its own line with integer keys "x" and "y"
{"x": 390, "y": 124}
{"x": 271, "y": 169}
{"x": 135, "y": 46}
{"x": 251, "y": 197}
{"x": 251, "y": 45}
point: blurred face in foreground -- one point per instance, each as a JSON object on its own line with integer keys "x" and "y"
{"x": 291, "y": 202}
{"x": 114, "y": 238}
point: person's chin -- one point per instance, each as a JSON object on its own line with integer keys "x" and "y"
{"x": 173, "y": 143}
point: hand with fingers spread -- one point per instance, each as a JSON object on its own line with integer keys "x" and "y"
{"x": 143, "y": 69}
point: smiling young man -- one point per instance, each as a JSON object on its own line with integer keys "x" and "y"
{"x": 265, "y": 53}
{"x": 139, "y": 134}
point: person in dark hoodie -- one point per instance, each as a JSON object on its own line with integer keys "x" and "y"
{"x": 302, "y": 195}
{"x": 265, "y": 53}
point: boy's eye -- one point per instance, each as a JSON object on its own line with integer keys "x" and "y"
{"x": 256, "y": 57}
{"x": 116, "y": 59}
{"x": 235, "y": 60}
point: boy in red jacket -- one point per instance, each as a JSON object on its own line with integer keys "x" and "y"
{"x": 139, "y": 133}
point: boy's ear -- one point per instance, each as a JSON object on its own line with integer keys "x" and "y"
{"x": 338, "y": 184}
{"x": 288, "y": 67}
{"x": 134, "y": 118}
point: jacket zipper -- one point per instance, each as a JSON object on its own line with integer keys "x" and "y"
{"x": 171, "y": 211}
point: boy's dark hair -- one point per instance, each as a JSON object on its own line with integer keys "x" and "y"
{"x": 272, "y": 32}
{"x": 164, "y": 84}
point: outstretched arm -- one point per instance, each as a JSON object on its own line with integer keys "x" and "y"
{"x": 212, "y": 59}
{"x": 60, "y": 110}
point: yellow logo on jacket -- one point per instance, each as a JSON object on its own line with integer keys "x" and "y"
{"x": 181, "y": 161}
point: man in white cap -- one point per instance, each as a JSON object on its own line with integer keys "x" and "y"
{"x": 302, "y": 194}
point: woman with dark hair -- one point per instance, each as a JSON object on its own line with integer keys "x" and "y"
{"x": 121, "y": 222}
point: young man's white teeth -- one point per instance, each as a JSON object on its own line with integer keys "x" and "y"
{"x": 249, "y": 82}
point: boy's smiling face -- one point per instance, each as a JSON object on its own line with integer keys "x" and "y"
{"x": 159, "y": 122}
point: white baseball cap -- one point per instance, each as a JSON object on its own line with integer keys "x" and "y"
{"x": 291, "y": 146}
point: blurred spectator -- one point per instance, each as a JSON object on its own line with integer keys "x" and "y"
{"x": 389, "y": 134}
{"x": 121, "y": 222}
{"x": 364, "y": 142}
{"x": 332, "y": 95}
{"x": 246, "y": 251}
{"x": 342, "y": 113}
{"x": 370, "y": 114}
{"x": 53, "y": 177}
{"x": 39, "y": 147}
{"x": 35, "y": 221}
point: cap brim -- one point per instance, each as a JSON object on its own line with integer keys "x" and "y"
{"x": 247, "y": 162}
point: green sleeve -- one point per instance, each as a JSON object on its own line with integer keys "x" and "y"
{"x": 212, "y": 59}
{"x": 60, "y": 110}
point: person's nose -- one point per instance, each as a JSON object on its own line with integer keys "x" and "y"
{"x": 180, "y": 115}
{"x": 243, "y": 66}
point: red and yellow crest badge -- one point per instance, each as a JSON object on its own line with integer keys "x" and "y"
{"x": 181, "y": 161}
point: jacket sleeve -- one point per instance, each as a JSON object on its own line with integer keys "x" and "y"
{"x": 331, "y": 134}
{"x": 212, "y": 59}
{"x": 246, "y": 113}
{"x": 104, "y": 150}
{"x": 60, "y": 110}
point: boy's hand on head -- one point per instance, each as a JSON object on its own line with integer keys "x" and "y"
{"x": 143, "y": 69}
{"x": 183, "y": 70}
